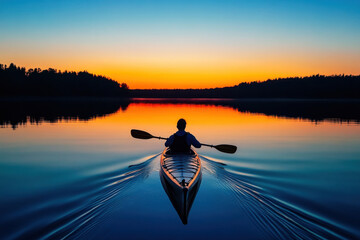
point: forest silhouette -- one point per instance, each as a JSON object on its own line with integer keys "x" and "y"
{"x": 313, "y": 87}
{"x": 16, "y": 81}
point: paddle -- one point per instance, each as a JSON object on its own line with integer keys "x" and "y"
{"x": 222, "y": 147}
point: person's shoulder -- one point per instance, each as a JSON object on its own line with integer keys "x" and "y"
{"x": 189, "y": 134}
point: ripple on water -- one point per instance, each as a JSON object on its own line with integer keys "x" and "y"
{"x": 81, "y": 204}
{"x": 280, "y": 219}
{"x": 73, "y": 211}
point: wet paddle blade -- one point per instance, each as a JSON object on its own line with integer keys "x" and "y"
{"x": 140, "y": 134}
{"x": 226, "y": 148}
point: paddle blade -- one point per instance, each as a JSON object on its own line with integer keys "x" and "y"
{"x": 226, "y": 148}
{"x": 140, "y": 134}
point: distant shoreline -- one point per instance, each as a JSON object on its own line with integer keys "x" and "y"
{"x": 312, "y": 87}
{"x": 49, "y": 84}
{"x": 224, "y": 100}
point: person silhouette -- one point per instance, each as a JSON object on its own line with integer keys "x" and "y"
{"x": 181, "y": 141}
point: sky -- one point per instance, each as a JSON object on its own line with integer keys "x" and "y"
{"x": 183, "y": 44}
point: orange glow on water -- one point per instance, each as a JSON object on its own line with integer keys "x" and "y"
{"x": 210, "y": 124}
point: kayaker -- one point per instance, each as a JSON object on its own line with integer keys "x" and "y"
{"x": 181, "y": 141}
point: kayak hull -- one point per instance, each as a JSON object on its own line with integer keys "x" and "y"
{"x": 180, "y": 177}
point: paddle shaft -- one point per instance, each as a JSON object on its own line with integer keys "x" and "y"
{"x": 202, "y": 144}
{"x": 160, "y": 138}
{"x": 207, "y": 145}
{"x": 145, "y": 135}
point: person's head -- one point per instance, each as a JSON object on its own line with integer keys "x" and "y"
{"x": 181, "y": 124}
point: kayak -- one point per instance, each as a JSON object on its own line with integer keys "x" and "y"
{"x": 180, "y": 176}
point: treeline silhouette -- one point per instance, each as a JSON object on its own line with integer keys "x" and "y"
{"x": 314, "y": 87}
{"x": 16, "y": 81}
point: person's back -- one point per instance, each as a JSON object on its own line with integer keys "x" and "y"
{"x": 181, "y": 141}
{"x": 180, "y": 145}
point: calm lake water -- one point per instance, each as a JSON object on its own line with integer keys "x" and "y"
{"x": 70, "y": 169}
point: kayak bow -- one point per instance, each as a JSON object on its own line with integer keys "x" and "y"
{"x": 180, "y": 176}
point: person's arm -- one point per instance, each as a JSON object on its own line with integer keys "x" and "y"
{"x": 194, "y": 141}
{"x": 169, "y": 141}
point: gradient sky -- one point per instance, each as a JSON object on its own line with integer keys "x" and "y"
{"x": 183, "y": 44}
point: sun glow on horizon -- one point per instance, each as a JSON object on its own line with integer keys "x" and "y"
{"x": 147, "y": 74}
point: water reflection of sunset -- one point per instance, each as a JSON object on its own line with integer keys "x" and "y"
{"x": 209, "y": 123}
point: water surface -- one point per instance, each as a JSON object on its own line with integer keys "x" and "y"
{"x": 71, "y": 169}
